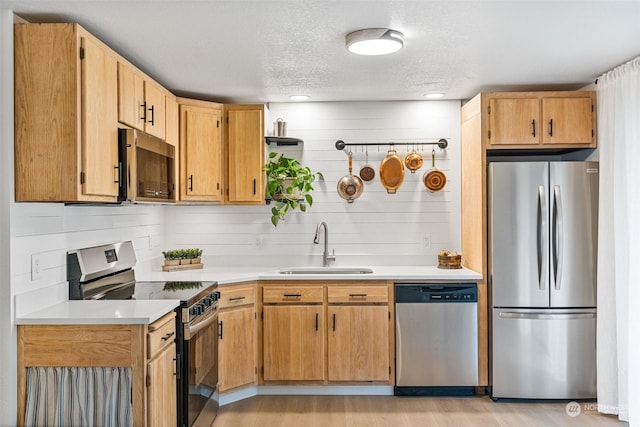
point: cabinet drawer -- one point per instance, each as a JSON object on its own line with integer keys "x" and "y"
{"x": 358, "y": 294}
{"x": 292, "y": 294}
{"x": 235, "y": 296}
{"x": 162, "y": 332}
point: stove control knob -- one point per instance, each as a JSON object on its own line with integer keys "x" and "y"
{"x": 207, "y": 301}
{"x": 197, "y": 309}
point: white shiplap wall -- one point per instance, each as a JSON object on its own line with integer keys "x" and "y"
{"x": 48, "y": 230}
{"x": 406, "y": 228}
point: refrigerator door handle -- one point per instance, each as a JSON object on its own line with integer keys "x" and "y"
{"x": 558, "y": 237}
{"x": 546, "y": 316}
{"x": 543, "y": 239}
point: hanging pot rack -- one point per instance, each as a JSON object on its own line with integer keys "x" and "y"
{"x": 340, "y": 144}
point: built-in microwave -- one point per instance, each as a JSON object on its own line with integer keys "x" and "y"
{"x": 147, "y": 168}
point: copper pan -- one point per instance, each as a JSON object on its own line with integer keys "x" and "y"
{"x": 434, "y": 179}
{"x": 391, "y": 171}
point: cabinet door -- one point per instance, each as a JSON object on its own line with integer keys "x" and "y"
{"x": 514, "y": 121}
{"x": 358, "y": 343}
{"x": 201, "y": 154}
{"x": 237, "y": 348}
{"x": 245, "y": 150}
{"x": 130, "y": 97}
{"x": 99, "y": 121}
{"x": 161, "y": 389}
{"x": 568, "y": 120}
{"x": 293, "y": 340}
{"x": 155, "y": 116}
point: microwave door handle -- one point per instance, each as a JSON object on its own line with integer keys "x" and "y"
{"x": 558, "y": 230}
{"x": 542, "y": 239}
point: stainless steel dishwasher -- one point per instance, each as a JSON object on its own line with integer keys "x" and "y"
{"x": 436, "y": 339}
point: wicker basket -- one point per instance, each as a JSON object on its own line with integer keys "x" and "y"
{"x": 450, "y": 261}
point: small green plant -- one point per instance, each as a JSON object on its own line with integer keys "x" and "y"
{"x": 289, "y": 185}
{"x": 182, "y": 254}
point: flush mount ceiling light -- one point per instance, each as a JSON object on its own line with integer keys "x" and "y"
{"x": 374, "y": 41}
{"x": 434, "y": 95}
{"x": 299, "y": 97}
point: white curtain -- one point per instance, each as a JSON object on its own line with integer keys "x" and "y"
{"x": 81, "y": 397}
{"x": 619, "y": 243}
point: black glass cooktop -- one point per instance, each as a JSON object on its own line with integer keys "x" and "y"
{"x": 187, "y": 292}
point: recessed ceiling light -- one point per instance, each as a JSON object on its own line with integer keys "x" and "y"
{"x": 374, "y": 41}
{"x": 434, "y": 95}
{"x": 299, "y": 97}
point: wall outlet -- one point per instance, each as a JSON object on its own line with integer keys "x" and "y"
{"x": 35, "y": 267}
{"x": 426, "y": 241}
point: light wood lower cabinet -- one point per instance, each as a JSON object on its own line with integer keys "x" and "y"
{"x": 358, "y": 343}
{"x": 333, "y": 332}
{"x": 237, "y": 351}
{"x": 149, "y": 350}
{"x": 293, "y": 341}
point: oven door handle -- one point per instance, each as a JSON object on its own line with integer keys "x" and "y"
{"x": 192, "y": 329}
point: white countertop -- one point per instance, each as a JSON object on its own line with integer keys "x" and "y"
{"x": 147, "y": 311}
{"x": 123, "y": 312}
{"x": 224, "y": 276}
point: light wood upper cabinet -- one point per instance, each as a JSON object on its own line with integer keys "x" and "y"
{"x": 293, "y": 342}
{"x": 65, "y": 115}
{"x": 514, "y": 121}
{"x": 245, "y": 154}
{"x": 568, "y": 120}
{"x": 358, "y": 343}
{"x": 130, "y": 97}
{"x": 201, "y": 155}
{"x": 141, "y": 101}
{"x": 540, "y": 120}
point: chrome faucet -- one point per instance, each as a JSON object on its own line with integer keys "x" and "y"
{"x": 326, "y": 258}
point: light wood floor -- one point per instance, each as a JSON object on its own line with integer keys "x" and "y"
{"x": 383, "y": 411}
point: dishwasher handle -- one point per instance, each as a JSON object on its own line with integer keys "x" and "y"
{"x": 436, "y": 293}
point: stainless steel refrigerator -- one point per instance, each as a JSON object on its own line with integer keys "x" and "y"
{"x": 542, "y": 271}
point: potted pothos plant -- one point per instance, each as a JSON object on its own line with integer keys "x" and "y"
{"x": 289, "y": 185}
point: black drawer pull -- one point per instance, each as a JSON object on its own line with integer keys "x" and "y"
{"x": 292, "y": 295}
{"x": 167, "y": 336}
{"x": 357, "y": 295}
{"x": 236, "y": 299}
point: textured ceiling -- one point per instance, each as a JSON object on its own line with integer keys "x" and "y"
{"x": 264, "y": 51}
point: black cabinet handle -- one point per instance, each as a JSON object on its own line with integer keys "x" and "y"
{"x": 334, "y": 322}
{"x": 357, "y": 295}
{"x": 236, "y": 299}
{"x": 533, "y": 128}
{"x": 220, "y": 329}
{"x": 550, "y": 127}
{"x": 317, "y": 322}
{"x": 167, "y": 336}
{"x": 152, "y": 109}
{"x": 118, "y": 180}
{"x": 144, "y": 111}
{"x": 190, "y": 182}
{"x": 254, "y": 186}
{"x": 292, "y": 295}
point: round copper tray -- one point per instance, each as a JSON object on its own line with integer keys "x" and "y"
{"x": 434, "y": 180}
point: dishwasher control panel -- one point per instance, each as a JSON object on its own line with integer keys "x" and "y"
{"x": 436, "y": 293}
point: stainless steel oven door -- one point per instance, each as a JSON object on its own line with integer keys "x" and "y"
{"x": 202, "y": 369}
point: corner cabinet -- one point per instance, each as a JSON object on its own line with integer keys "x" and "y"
{"x": 66, "y": 130}
{"x": 237, "y": 355}
{"x": 539, "y": 119}
{"x": 244, "y": 154}
{"x": 148, "y": 350}
{"x": 201, "y": 151}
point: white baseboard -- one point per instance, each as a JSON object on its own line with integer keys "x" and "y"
{"x": 310, "y": 390}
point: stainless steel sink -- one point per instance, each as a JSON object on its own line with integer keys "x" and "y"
{"x": 326, "y": 270}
